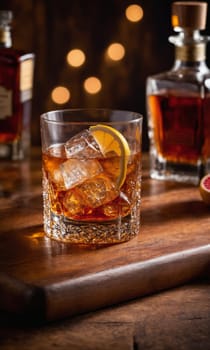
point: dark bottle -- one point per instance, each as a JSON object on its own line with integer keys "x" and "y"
{"x": 16, "y": 79}
{"x": 178, "y": 102}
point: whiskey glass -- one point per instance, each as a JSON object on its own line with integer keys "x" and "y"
{"x": 91, "y": 161}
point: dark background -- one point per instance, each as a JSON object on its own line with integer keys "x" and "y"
{"x": 51, "y": 28}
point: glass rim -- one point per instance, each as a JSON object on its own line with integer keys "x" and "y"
{"x": 136, "y": 116}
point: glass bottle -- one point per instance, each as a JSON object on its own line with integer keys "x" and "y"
{"x": 178, "y": 102}
{"x": 16, "y": 78}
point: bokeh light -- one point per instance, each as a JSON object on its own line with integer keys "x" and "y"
{"x": 75, "y": 58}
{"x": 116, "y": 51}
{"x": 92, "y": 85}
{"x": 134, "y": 13}
{"x": 60, "y": 95}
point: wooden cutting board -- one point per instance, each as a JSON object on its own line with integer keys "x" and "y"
{"x": 46, "y": 280}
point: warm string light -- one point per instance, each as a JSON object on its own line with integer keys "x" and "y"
{"x": 134, "y": 13}
{"x": 92, "y": 85}
{"x": 116, "y": 51}
{"x": 76, "y": 58}
{"x": 60, "y": 95}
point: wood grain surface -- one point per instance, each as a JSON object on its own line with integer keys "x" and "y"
{"x": 48, "y": 280}
{"x": 178, "y": 318}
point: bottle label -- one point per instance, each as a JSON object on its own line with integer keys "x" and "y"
{"x": 5, "y": 37}
{"x": 26, "y": 79}
{"x": 5, "y": 103}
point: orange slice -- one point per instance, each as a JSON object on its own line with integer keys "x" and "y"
{"x": 111, "y": 141}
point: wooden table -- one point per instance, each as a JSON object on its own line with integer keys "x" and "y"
{"x": 150, "y": 293}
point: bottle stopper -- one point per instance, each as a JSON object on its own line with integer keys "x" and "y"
{"x": 189, "y": 14}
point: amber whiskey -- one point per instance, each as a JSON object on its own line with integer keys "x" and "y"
{"x": 178, "y": 102}
{"x": 16, "y": 78}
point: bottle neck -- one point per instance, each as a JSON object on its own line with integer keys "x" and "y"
{"x": 5, "y": 37}
{"x": 190, "y": 46}
{"x": 191, "y": 53}
{"x": 198, "y": 66}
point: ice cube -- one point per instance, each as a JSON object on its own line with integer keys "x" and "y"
{"x": 82, "y": 145}
{"x": 98, "y": 191}
{"x": 119, "y": 207}
{"x": 91, "y": 194}
{"x": 83, "y": 199}
{"x": 73, "y": 204}
{"x": 55, "y": 176}
{"x": 76, "y": 171}
{"x": 58, "y": 178}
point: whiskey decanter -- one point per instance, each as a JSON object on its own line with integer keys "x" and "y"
{"x": 16, "y": 78}
{"x": 178, "y": 102}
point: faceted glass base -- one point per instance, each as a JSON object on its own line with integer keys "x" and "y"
{"x": 13, "y": 150}
{"x": 89, "y": 233}
{"x": 180, "y": 172}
